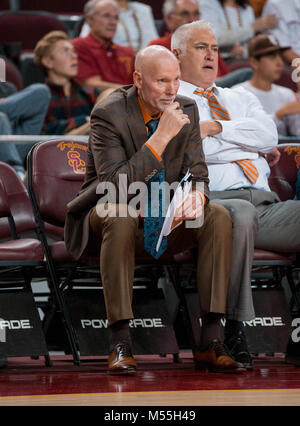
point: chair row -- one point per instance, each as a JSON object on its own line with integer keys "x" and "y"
{"x": 55, "y": 173}
{"x": 67, "y": 6}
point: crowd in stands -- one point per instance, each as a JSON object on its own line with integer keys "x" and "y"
{"x": 102, "y": 57}
{"x": 78, "y": 71}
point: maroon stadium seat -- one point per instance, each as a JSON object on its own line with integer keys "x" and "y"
{"x": 55, "y": 174}
{"x": 286, "y": 80}
{"x": 19, "y": 257}
{"x": 13, "y": 75}
{"x": 284, "y": 173}
{"x": 4, "y": 5}
{"x": 31, "y": 27}
{"x": 76, "y": 6}
{"x": 54, "y": 6}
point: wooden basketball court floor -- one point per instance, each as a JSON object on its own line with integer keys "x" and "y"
{"x": 159, "y": 382}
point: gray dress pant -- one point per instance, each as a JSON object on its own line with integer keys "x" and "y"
{"x": 262, "y": 221}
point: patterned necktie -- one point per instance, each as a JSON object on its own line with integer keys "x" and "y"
{"x": 220, "y": 113}
{"x": 154, "y": 220}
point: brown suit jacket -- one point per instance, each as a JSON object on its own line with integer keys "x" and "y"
{"x": 117, "y": 145}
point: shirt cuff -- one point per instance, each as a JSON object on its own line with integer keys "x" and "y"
{"x": 157, "y": 156}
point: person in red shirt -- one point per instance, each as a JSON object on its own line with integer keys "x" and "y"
{"x": 177, "y": 13}
{"x": 102, "y": 63}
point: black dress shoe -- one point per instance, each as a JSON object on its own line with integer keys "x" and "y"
{"x": 3, "y": 361}
{"x": 217, "y": 359}
{"x": 121, "y": 361}
{"x": 237, "y": 345}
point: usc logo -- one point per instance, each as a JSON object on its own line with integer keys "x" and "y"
{"x": 74, "y": 157}
{"x": 294, "y": 150}
{"x": 77, "y": 164}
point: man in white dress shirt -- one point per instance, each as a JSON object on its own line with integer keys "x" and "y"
{"x": 235, "y": 127}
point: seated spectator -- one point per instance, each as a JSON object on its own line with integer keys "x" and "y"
{"x": 177, "y": 13}
{"x": 102, "y": 63}
{"x": 70, "y": 104}
{"x": 180, "y": 12}
{"x": 21, "y": 113}
{"x": 266, "y": 61}
{"x": 235, "y": 132}
{"x": 234, "y": 22}
{"x": 136, "y": 25}
{"x": 288, "y": 30}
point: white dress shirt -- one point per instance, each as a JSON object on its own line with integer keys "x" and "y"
{"x": 288, "y": 29}
{"x": 249, "y": 132}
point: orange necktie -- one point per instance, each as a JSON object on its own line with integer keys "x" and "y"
{"x": 220, "y": 113}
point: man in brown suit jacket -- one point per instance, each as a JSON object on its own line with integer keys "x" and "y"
{"x": 119, "y": 144}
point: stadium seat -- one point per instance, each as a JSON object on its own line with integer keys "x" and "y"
{"x": 55, "y": 174}
{"x": 21, "y": 259}
{"x": 54, "y": 6}
{"x": 32, "y": 26}
{"x": 284, "y": 174}
{"x": 237, "y": 64}
{"x": 285, "y": 80}
{"x": 13, "y": 75}
{"x": 4, "y": 5}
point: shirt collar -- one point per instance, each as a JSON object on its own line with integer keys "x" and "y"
{"x": 146, "y": 116}
{"x": 59, "y": 88}
{"x": 189, "y": 88}
{"x": 93, "y": 41}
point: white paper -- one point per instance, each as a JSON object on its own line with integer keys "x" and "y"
{"x": 182, "y": 190}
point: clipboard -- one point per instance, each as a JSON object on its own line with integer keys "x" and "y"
{"x": 170, "y": 222}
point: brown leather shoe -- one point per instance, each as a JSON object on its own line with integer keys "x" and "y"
{"x": 217, "y": 359}
{"x": 121, "y": 361}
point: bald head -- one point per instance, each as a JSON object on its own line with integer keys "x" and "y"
{"x": 151, "y": 56}
{"x": 156, "y": 77}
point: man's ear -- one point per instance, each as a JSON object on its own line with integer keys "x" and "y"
{"x": 88, "y": 19}
{"x": 177, "y": 53}
{"x": 47, "y": 62}
{"x": 137, "y": 79}
{"x": 253, "y": 62}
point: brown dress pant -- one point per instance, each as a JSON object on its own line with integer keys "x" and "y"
{"x": 121, "y": 240}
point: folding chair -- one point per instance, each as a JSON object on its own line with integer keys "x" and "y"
{"x": 20, "y": 258}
